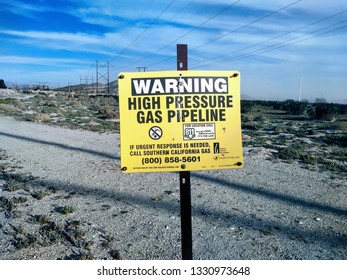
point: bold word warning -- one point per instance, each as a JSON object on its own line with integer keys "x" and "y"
{"x": 180, "y": 85}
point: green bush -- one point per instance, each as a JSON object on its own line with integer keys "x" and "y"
{"x": 293, "y": 152}
{"x": 246, "y": 106}
{"x": 324, "y": 112}
{"x": 2, "y": 84}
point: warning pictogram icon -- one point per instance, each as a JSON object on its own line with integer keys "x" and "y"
{"x": 155, "y": 132}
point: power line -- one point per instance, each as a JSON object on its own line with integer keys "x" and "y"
{"x": 285, "y": 43}
{"x": 144, "y": 31}
{"x": 189, "y": 32}
{"x": 268, "y": 40}
{"x": 137, "y": 19}
{"x": 246, "y": 25}
{"x": 174, "y": 16}
{"x": 126, "y": 31}
{"x": 237, "y": 29}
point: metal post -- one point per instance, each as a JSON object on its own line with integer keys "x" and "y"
{"x": 97, "y": 77}
{"x": 185, "y": 190}
{"x": 186, "y": 216}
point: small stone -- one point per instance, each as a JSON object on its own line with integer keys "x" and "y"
{"x": 318, "y": 219}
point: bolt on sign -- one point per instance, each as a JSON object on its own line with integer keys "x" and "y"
{"x": 180, "y": 121}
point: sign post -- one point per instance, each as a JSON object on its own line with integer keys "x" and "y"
{"x": 180, "y": 121}
{"x": 185, "y": 189}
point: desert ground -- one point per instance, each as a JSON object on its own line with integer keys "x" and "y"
{"x": 63, "y": 196}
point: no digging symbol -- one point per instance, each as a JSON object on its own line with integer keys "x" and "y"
{"x": 155, "y": 132}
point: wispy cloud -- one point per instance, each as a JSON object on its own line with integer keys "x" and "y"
{"x": 73, "y": 42}
{"x": 248, "y": 36}
{"x": 44, "y": 61}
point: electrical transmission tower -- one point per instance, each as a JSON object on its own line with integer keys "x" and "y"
{"x": 86, "y": 79}
{"x": 102, "y": 76}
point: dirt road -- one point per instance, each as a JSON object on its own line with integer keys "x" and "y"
{"x": 267, "y": 210}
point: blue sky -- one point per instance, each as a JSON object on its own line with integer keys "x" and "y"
{"x": 273, "y": 43}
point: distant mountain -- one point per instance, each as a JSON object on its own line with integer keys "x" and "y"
{"x": 246, "y": 97}
{"x": 112, "y": 88}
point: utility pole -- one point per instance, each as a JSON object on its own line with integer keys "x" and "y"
{"x": 108, "y": 77}
{"x": 97, "y": 77}
{"x": 300, "y": 87}
{"x": 141, "y": 68}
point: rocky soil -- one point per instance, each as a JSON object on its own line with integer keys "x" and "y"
{"x": 62, "y": 196}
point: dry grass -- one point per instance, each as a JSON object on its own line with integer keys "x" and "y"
{"x": 41, "y": 117}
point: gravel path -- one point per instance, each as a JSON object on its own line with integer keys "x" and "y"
{"x": 267, "y": 210}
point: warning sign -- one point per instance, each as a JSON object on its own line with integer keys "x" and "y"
{"x": 180, "y": 120}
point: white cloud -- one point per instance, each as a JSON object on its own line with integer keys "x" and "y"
{"x": 40, "y": 61}
{"x": 80, "y": 38}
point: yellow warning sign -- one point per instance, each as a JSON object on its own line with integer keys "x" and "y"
{"x": 180, "y": 121}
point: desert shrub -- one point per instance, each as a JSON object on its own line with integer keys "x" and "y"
{"x": 294, "y": 108}
{"x": 52, "y": 103}
{"x": 260, "y": 118}
{"x": 294, "y": 151}
{"x": 6, "y": 203}
{"x": 338, "y": 140}
{"x": 277, "y": 105}
{"x": 324, "y": 112}
{"x": 76, "y": 103}
{"x": 107, "y": 112}
{"x": 39, "y": 194}
{"x": 338, "y": 125}
{"x": 8, "y": 108}
{"x": 246, "y": 106}
{"x": 340, "y": 152}
{"x": 38, "y": 219}
{"x": 252, "y": 126}
{"x": 12, "y": 186}
{"x": 247, "y": 117}
{"x": 51, "y": 233}
{"x": 280, "y": 129}
{"x": 335, "y": 166}
{"x": 300, "y": 133}
{"x": 24, "y": 241}
{"x": 2, "y": 84}
{"x": 41, "y": 117}
{"x": 309, "y": 159}
{"x": 64, "y": 209}
{"x": 6, "y": 100}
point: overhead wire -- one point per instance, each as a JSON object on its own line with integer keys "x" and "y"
{"x": 144, "y": 31}
{"x": 285, "y": 43}
{"x": 235, "y": 30}
{"x": 173, "y": 16}
{"x": 187, "y": 33}
{"x": 125, "y": 31}
{"x": 137, "y": 19}
{"x": 248, "y": 24}
{"x": 268, "y": 40}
